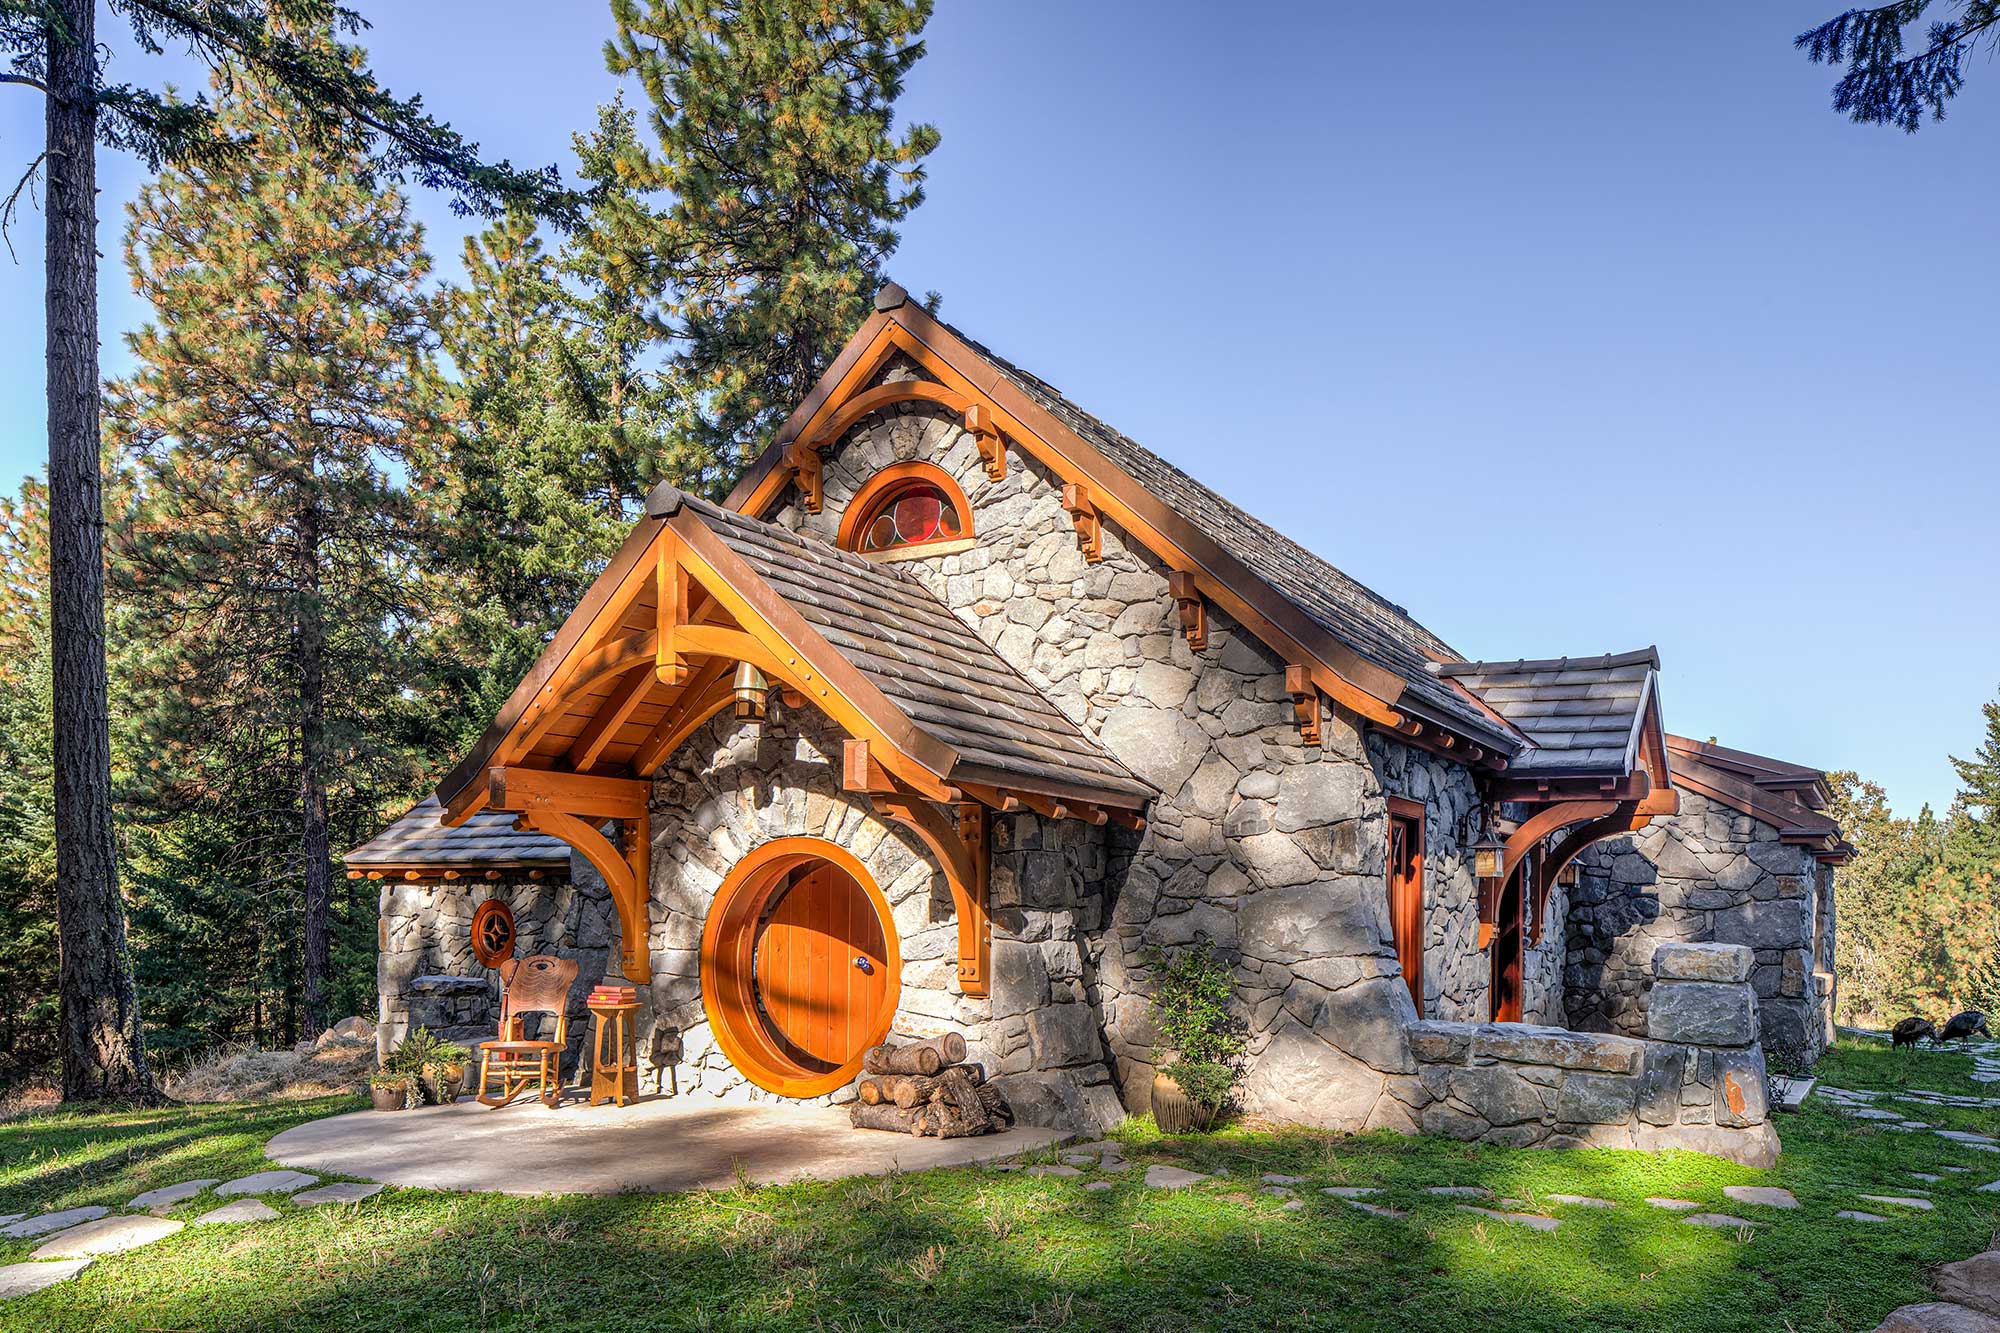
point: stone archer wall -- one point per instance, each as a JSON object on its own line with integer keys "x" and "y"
{"x": 425, "y": 971}
{"x": 1698, "y": 1083}
{"x": 1709, "y": 873}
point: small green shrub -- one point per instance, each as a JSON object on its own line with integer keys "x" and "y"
{"x": 1200, "y": 1042}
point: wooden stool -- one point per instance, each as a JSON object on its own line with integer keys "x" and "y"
{"x": 614, "y": 1075}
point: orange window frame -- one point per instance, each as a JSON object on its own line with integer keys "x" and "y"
{"x": 881, "y": 487}
{"x": 1406, "y": 891}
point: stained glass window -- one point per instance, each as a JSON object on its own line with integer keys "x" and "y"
{"x": 910, "y": 515}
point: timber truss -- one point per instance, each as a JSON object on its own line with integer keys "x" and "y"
{"x": 650, "y": 657}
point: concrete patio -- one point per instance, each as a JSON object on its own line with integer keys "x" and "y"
{"x": 657, "y": 1145}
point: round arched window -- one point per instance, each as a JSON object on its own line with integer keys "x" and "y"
{"x": 493, "y": 933}
{"x": 906, "y": 509}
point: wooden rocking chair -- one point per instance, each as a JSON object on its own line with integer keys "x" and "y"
{"x": 536, "y": 985}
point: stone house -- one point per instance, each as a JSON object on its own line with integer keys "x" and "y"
{"x": 963, "y": 704}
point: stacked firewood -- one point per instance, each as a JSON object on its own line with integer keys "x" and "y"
{"x": 927, "y": 1088}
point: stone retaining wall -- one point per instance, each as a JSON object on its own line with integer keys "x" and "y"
{"x": 1709, "y": 873}
{"x": 1696, "y": 1082}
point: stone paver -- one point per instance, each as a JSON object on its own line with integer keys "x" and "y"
{"x": 1966, "y": 1136}
{"x": 9, "y": 1219}
{"x": 1064, "y": 1171}
{"x": 267, "y": 1182}
{"x": 27, "y": 1279}
{"x": 1973, "y": 1282}
{"x": 1274, "y": 1178}
{"x": 1171, "y": 1177}
{"x": 1460, "y": 1191}
{"x": 1718, "y": 1220}
{"x": 46, "y": 1222}
{"x": 1376, "y": 1209}
{"x": 1522, "y": 1219}
{"x": 1672, "y": 1205}
{"x": 243, "y": 1210}
{"x": 345, "y": 1191}
{"x": 1937, "y": 1317}
{"x": 1764, "y": 1196}
{"x": 1079, "y": 1159}
{"x": 1901, "y": 1200}
{"x": 107, "y": 1235}
{"x": 1579, "y": 1201}
{"x": 165, "y": 1197}
{"x": 1856, "y": 1215}
{"x": 1926, "y": 1177}
{"x": 1993, "y": 1188}
{"x": 1110, "y": 1163}
{"x": 1278, "y": 1191}
{"x": 1363, "y": 1191}
{"x": 1098, "y": 1185}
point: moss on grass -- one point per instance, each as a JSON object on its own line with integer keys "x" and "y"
{"x": 975, "y": 1249}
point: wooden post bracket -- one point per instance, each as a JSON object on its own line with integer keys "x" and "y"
{"x": 1194, "y": 611}
{"x": 979, "y": 421}
{"x": 1305, "y": 702}
{"x": 961, "y": 847}
{"x": 1084, "y": 518}
{"x": 804, "y": 461}
{"x": 568, "y": 806}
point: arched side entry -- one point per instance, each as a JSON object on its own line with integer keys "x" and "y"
{"x": 800, "y": 968}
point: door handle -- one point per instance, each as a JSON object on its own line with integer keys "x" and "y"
{"x": 862, "y": 963}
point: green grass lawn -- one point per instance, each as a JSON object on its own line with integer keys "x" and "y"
{"x": 975, "y": 1249}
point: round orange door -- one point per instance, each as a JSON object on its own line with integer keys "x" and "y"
{"x": 821, "y": 967}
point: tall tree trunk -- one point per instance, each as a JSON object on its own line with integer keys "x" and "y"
{"x": 314, "y": 844}
{"x": 103, "y": 1054}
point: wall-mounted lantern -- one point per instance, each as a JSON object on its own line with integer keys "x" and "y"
{"x": 1487, "y": 855}
{"x": 750, "y": 691}
{"x": 1569, "y": 875}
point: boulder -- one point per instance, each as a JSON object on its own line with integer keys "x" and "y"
{"x": 1702, "y": 962}
{"x": 1937, "y": 1317}
{"x": 1299, "y": 1077}
{"x": 1702, "y": 1013}
{"x": 1973, "y": 1282}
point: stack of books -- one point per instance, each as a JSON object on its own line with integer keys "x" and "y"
{"x": 609, "y": 995}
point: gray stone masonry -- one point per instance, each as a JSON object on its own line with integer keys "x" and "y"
{"x": 426, "y": 973}
{"x": 1709, "y": 873}
{"x": 1697, "y": 1083}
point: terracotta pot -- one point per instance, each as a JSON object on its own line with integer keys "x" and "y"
{"x": 387, "y": 1099}
{"x": 1172, "y": 1111}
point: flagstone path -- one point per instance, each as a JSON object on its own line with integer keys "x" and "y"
{"x": 27, "y": 1279}
{"x": 107, "y": 1235}
{"x": 243, "y": 1210}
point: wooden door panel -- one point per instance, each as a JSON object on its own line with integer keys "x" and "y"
{"x": 819, "y": 1005}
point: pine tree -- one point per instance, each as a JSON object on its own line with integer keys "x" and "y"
{"x": 784, "y": 182}
{"x": 52, "y": 46}
{"x": 286, "y": 384}
{"x": 1886, "y": 85}
{"x": 1973, "y": 843}
{"x": 28, "y": 962}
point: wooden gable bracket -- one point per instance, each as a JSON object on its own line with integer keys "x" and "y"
{"x": 804, "y": 462}
{"x": 570, "y": 806}
{"x": 962, "y": 849}
{"x": 1305, "y": 702}
{"x": 1194, "y": 611}
{"x": 1084, "y": 518}
{"x": 979, "y": 422}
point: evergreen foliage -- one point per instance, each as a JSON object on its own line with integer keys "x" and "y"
{"x": 282, "y": 396}
{"x": 782, "y": 181}
{"x": 1882, "y": 84}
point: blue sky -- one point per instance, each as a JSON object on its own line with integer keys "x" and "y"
{"x": 1572, "y": 328}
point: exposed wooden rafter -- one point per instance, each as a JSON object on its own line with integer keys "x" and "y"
{"x": 1193, "y": 610}
{"x": 1305, "y": 702}
{"x": 1084, "y": 518}
{"x": 570, "y": 807}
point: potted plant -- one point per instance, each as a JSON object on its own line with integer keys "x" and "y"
{"x": 1199, "y": 1042}
{"x": 391, "y": 1091}
{"x": 414, "y": 1059}
{"x": 444, "y": 1072}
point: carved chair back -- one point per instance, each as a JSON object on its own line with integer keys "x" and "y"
{"x": 539, "y": 984}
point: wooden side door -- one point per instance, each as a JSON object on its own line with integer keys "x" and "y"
{"x": 821, "y": 967}
{"x": 1406, "y": 892}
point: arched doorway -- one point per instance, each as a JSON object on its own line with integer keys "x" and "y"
{"x": 800, "y": 971}
{"x": 1507, "y": 958}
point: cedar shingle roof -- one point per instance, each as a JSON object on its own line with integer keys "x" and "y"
{"x": 1365, "y": 621}
{"x": 924, "y": 659}
{"x": 1779, "y": 793}
{"x": 486, "y": 840}
{"x": 1584, "y": 714}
